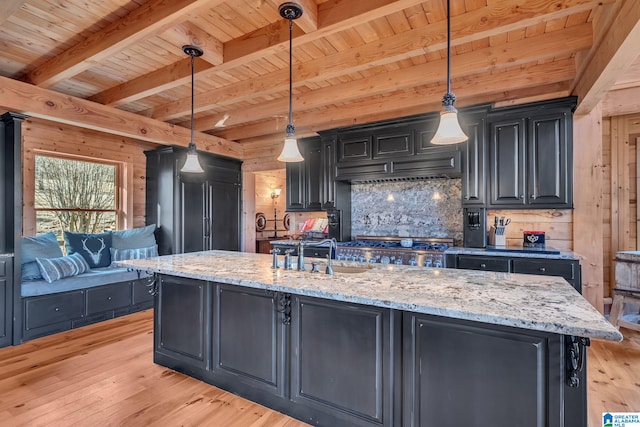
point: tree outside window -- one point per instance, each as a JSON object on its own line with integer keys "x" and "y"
{"x": 74, "y": 195}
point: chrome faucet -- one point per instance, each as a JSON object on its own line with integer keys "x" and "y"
{"x": 333, "y": 246}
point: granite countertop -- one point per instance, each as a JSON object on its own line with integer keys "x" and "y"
{"x": 542, "y": 303}
{"x": 515, "y": 251}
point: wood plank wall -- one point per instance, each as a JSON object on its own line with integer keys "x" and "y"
{"x": 619, "y": 139}
{"x": 42, "y": 137}
{"x": 556, "y": 223}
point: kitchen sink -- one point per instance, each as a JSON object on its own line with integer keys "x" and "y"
{"x": 346, "y": 269}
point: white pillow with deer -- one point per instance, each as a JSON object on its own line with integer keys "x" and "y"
{"x": 94, "y": 248}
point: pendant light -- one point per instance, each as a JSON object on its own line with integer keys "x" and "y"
{"x": 290, "y": 151}
{"x": 192, "y": 165}
{"x": 449, "y": 130}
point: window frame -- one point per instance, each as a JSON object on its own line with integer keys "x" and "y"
{"x": 119, "y": 179}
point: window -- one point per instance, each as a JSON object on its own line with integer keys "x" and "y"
{"x": 75, "y": 195}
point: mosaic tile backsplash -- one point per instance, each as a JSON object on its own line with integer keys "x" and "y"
{"x": 423, "y": 208}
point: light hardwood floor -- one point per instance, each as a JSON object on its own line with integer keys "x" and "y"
{"x": 103, "y": 375}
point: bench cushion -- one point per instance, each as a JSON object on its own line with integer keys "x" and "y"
{"x": 92, "y": 278}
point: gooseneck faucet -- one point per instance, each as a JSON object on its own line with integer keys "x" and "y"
{"x": 333, "y": 246}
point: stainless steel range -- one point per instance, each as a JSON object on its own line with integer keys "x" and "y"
{"x": 422, "y": 251}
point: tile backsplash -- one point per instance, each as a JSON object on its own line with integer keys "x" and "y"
{"x": 421, "y": 208}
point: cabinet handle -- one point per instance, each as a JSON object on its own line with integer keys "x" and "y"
{"x": 483, "y": 265}
{"x": 542, "y": 269}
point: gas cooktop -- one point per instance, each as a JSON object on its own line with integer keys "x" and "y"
{"x": 419, "y": 243}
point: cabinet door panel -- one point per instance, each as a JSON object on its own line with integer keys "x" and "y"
{"x": 548, "y": 160}
{"x": 249, "y": 336}
{"x": 313, "y": 174}
{"x": 329, "y": 337}
{"x": 193, "y": 216}
{"x": 482, "y": 368}
{"x": 225, "y": 216}
{"x": 295, "y": 186}
{"x": 473, "y": 163}
{"x": 328, "y": 173}
{"x": 507, "y": 162}
{"x": 354, "y": 146}
{"x": 392, "y": 143}
{"x": 181, "y": 333}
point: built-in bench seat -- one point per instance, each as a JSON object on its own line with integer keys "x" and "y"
{"x": 76, "y": 301}
{"x": 61, "y": 292}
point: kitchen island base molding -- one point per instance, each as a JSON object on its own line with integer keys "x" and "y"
{"x": 333, "y": 363}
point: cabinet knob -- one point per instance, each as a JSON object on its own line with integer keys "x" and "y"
{"x": 542, "y": 269}
{"x": 533, "y": 196}
{"x": 466, "y": 197}
{"x": 108, "y": 298}
{"x": 522, "y": 196}
{"x": 57, "y": 309}
{"x": 483, "y": 265}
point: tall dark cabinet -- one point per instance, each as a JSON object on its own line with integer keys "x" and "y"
{"x": 193, "y": 212}
{"x": 10, "y": 226}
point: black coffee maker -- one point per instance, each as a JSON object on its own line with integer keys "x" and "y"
{"x": 475, "y": 227}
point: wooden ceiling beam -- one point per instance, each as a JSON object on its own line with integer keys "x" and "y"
{"x": 484, "y": 60}
{"x": 147, "y": 20}
{"x": 340, "y": 116}
{"x": 50, "y": 105}
{"x": 308, "y": 22}
{"x": 609, "y": 58}
{"x": 189, "y": 33}
{"x": 475, "y": 25}
{"x": 621, "y": 102}
{"x": 502, "y": 85}
{"x": 9, "y": 7}
{"x": 165, "y": 78}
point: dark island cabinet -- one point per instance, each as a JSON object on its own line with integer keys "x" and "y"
{"x": 182, "y": 330}
{"x": 6, "y": 299}
{"x": 193, "y": 212}
{"x": 342, "y": 361}
{"x": 485, "y": 367}
{"x": 249, "y": 339}
{"x": 530, "y": 156}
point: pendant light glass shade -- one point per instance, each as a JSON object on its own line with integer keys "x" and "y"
{"x": 192, "y": 164}
{"x": 449, "y": 130}
{"x": 290, "y": 151}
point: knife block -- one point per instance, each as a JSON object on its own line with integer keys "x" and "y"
{"x": 497, "y": 239}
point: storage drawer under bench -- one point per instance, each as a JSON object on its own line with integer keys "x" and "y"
{"x": 50, "y": 309}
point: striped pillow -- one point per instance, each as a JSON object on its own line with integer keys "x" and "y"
{"x": 138, "y": 253}
{"x": 56, "y": 268}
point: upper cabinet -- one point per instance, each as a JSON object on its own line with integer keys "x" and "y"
{"x": 311, "y": 184}
{"x": 530, "y": 156}
{"x": 474, "y": 157}
{"x": 393, "y": 150}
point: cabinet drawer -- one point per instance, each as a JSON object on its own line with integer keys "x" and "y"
{"x": 53, "y": 308}
{"x": 545, "y": 268}
{"x": 108, "y": 297}
{"x": 484, "y": 263}
{"x": 316, "y": 252}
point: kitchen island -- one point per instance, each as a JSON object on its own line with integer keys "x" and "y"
{"x": 378, "y": 344}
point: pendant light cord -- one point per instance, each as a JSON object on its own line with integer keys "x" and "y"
{"x": 448, "y": 46}
{"x": 290, "y": 127}
{"x": 192, "y": 96}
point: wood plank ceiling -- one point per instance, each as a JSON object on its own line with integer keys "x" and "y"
{"x": 353, "y": 61}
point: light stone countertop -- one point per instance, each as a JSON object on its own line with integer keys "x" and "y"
{"x": 542, "y": 303}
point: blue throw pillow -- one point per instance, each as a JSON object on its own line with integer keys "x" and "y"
{"x": 94, "y": 248}
{"x": 135, "y": 238}
{"x": 138, "y": 253}
{"x": 32, "y": 247}
{"x": 56, "y": 268}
